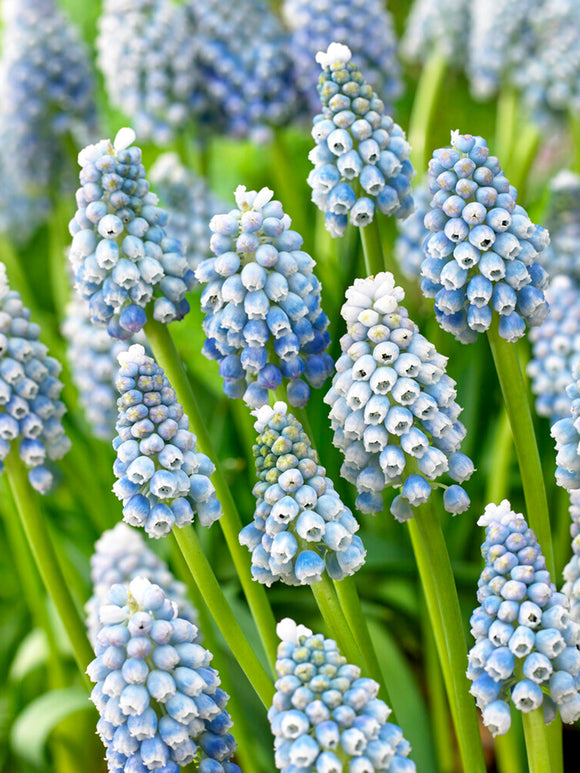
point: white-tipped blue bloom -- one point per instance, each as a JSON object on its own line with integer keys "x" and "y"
{"x": 163, "y": 480}
{"x": 571, "y": 572}
{"x": 393, "y": 408}
{"x": 324, "y": 716}
{"x": 437, "y": 25}
{"x": 301, "y": 528}
{"x": 160, "y": 702}
{"x": 264, "y": 323}
{"x": 567, "y": 437}
{"x": 526, "y": 642}
{"x": 120, "y": 556}
{"x": 481, "y": 254}
{"x": 366, "y": 27}
{"x": 121, "y": 256}
{"x": 30, "y": 410}
{"x": 412, "y": 233}
{"x": 361, "y": 158}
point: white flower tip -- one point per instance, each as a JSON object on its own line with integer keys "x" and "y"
{"x": 288, "y": 630}
{"x": 336, "y": 52}
{"x": 498, "y": 513}
{"x": 133, "y": 354}
{"x": 262, "y": 198}
{"x": 4, "y": 287}
{"x": 265, "y": 413}
{"x": 124, "y": 138}
{"x": 137, "y": 588}
{"x": 240, "y": 195}
{"x": 454, "y": 135}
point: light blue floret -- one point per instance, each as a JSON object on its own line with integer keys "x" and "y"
{"x": 437, "y": 25}
{"x": 566, "y": 436}
{"x": 412, "y": 233}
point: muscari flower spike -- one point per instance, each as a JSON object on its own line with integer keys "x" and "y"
{"x": 160, "y": 702}
{"x": 482, "y": 250}
{"x": 325, "y": 716}
{"x": 441, "y": 25}
{"x": 121, "y": 256}
{"x": 163, "y": 480}
{"x": 190, "y": 205}
{"x": 412, "y": 233}
{"x": 120, "y": 556}
{"x": 563, "y": 222}
{"x": 264, "y": 324}
{"x": 526, "y": 642}
{"x": 146, "y": 53}
{"x": 566, "y": 433}
{"x": 30, "y": 409}
{"x": 301, "y": 528}
{"x": 357, "y": 147}
{"x": 393, "y": 409}
{"x": 367, "y": 28}
{"x": 571, "y": 572}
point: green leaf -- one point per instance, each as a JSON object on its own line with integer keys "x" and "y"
{"x": 31, "y": 654}
{"x": 33, "y": 726}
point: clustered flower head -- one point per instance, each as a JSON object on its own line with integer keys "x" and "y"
{"x": 481, "y": 254}
{"x": 325, "y": 716}
{"x": 121, "y": 256}
{"x": 437, "y": 25}
{"x": 393, "y": 408}
{"x": 120, "y": 556}
{"x": 264, "y": 324}
{"x": 146, "y": 52}
{"x": 358, "y": 148}
{"x": 160, "y": 702}
{"x": 571, "y": 572}
{"x": 30, "y": 409}
{"x": 563, "y": 222}
{"x": 526, "y": 645}
{"x": 163, "y": 480}
{"x": 566, "y": 433}
{"x": 412, "y": 233}
{"x": 556, "y": 349}
{"x": 301, "y": 528}
{"x": 47, "y": 97}
{"x": 190, "y": 205}
{"x": 365, "y": 25}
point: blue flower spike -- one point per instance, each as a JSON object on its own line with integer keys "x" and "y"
{"x": 437, "y": 25}
{"x": 264, "y": 323}
{"x": 566, "y": 435}
{"x": 160, "y": 702}
{"x": 301, "y": 528}
{"x": 30, "y": 410}
{"x": 526, "y": 642}
{"x": 325, "y": 717}
{"x": 361, "y": 158}
{"x": 163, "y": 480}
{"x": 483, "y": 250}
{"x": 571, "y": 572}
{"x": 562, "y": 219}
{"x": 393, "y": 408}
{"x": 412, "y": 233}
{"x": 121, "y": 256}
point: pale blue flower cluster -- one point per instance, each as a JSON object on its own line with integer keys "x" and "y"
{"x": 412, "y": 233}
{"x": 264, "y": 324}
{"x": 526, "y": 645}
{"x": 301, "y": 527}
{"x": 393, "y": 408}
{"x": 160, "y": 702}
{"x": 30, "y": 409}
{"x": 361, "y": 157}
{"x": 121, "y": 256}
{"x": 482, "y": 252}
{"x": 47, "y": 99}
{"x": 146, "y": 53}
{"x": 556, "y": 349}
{"x": 189, "y": 203}
{"x": 325, "y": 717}
{"x": 120, "y": 556}
{"x": 366, "y": 26}
{"x": 571, "y": 572}
{"x": 563, "y": 222}
{"x": 566, "y": 433}
{"x": 163, "y": 480}
{"x": 437, "y": 25}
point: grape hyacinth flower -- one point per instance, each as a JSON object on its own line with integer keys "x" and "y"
{"x": 556, "y": 349}
{"x": 481, "y": 254}
{"x": 526, "y": 642}
{"x": 146, "y": 53}
{"x": 301, "y": 528}
{"x": 121, "y": 257}
{"x": 160, "y": 702}
{"x": 190, "y": 205}
{"x": 30, "y": 409}
{"x": 441, "y": 25}
{"x": 367, "y": 28}
{"x": 393, "y": 409}
{"x": 163, "y": 480}
{"x": 567, "y": 437}
{"x": 361, "y": 158}
{"x": 571, "y": 572}
{"x": 412, "y": 233}
{"x": 264, "y": 324}
{"x": 563, "y": 222}
{"x": 325, "y": 716}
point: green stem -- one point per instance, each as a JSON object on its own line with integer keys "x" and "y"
{"x": 286, "y": 190}
{"x": 537, "y": 747}
{"x": 505, "y": 123}
{"x": 44, "y": 553}
{"x": 523, "y": 157}
{"x": 426, "y": 97}
{"x": 509, "y": 747}
{"x": 443, "y": 605}
{"x": 166, "y": 355}
{"x": 57, "y": 258}
{"x": 575, "y": 131}
{"x": 438, "y": 705}
{"x": 497, "y": 480}
{"x": 515, "y": 396}
{"x": 372, "y": 249}
{"x": 221, "y": 612}
{"x": 327, "y": 601}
